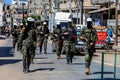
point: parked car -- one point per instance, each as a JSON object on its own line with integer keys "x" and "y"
{"x": 79, "y": 45}
{"x": 79, "y": 28}
{"x": 79, "y": 48}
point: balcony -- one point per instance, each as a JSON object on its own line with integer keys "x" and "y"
{"x": 95, "y": 2}
{"x": 18, "y": 16}
{"x": 20, "y": 7}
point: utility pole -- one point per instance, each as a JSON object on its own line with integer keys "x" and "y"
{"x": 58, "y": 7}
{"x": 35, "y": 8}
{"x": 109, "y": 11}
{"x": 77, "y": 3}
{"x": 81, "y": 11}
{"x": 28, "y": 7}
{"x": 116, "y": 16}
{"x": 23, "y": 14}
{"x": 69, "y": 6}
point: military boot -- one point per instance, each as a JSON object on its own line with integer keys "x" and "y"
{"x": 68, "y": 61}
{"x": 27, "y": 69}
{"x": 45, "y": 52}
{"x": 87, "y": 71}
{"x": 24, "y": 67}
{"x": 71, "y": 57}
{"x": 40, "y": 51}
{"x": 58, "y": 56}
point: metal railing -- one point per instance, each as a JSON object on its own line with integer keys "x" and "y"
{"x": 102, "y": 65}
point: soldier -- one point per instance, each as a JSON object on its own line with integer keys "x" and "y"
{"x": 28, "y": 38}
{"x": 44, "y": 33}
{"x": 57, "y": 33}
{"x": 69, "y": 41}
{"x": 21, "y": 37}
{"x": 15, "y": 34}
{"x": 89, "y": 37}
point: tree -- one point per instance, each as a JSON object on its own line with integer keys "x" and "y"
{"x": 36, "y": 17}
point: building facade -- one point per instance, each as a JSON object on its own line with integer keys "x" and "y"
{"x": 19, "y": 11}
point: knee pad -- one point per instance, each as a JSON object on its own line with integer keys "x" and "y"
{"x": 87, "y": 57}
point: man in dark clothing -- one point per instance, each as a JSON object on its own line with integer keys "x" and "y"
{"x": 28, "y": 39}
{"x": 69, "y": 41}
{"x": 43, "y": 36}
{"x": 89, "y": 37}
{"x": 57, "y": 33}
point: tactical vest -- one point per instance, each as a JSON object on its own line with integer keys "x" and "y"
{"x": 71, "y": 32}
{"x": 90, "y": 34}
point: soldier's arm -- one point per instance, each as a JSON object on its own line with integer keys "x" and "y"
{"x": 82, "y": 34}
{"x": 95, "y": 38}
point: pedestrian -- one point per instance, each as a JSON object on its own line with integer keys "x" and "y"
{"x": 69, "y": 36}
{"x": 110, "y": 32}
{"x": 54, "y": 39}
{"x": 89, "y": 36}
{"x": 57, "y": 33}
{"x": 28, "y": 38}
{"x": 43, "y": 36}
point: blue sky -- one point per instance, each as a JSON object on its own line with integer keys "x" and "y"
{"x": 8, "y": 2}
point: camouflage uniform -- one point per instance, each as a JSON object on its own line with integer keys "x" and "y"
{"x": 69, "y": 42}
{"x": 43, "y": 36}
{"x": 57, "y": 33}
{"x": 28, "y": 39}
{"x": 15, "y": 34}
{"x": 88, "y": 36}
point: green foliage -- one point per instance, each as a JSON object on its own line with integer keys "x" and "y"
{"x": 36, "y": 17}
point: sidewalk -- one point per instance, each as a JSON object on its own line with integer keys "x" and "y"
{"x": 2, "y": 40}
{"x": 108, "y": 55}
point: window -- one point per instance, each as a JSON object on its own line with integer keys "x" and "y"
{"x": 8, "y": 15}
{"x": 30, "y": 11}
{"x": 30, "y": 2}
{"x": 8, "y": 7}
{"x": 22, "y": 4}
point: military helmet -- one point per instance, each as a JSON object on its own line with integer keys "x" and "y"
{"x": 89, "y": 19}
{"x": 44, "y": 23}
{"x": 30, "y": 19}
{"x": 57, "y": 23}
{"x": 69, "y": 20}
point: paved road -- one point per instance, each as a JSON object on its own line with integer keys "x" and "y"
{"x": 47, "y": 67}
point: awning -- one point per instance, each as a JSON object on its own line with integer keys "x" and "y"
{"x": 100, "y": 10}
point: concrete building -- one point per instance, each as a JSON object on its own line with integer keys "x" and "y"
{"x": 1, "y": 13}
{"x": 19, "y": 10}
{"x": 39, "y": 8}
{"x": 7, "y": 13}
{"x": 45, "y": 7}
{"x": 13, "y": 12}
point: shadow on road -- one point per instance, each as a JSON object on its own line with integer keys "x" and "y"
{"x": 101, "y": 79}
{"x": 103, "y": 73}
{"x": 45, "y": 63}
{"x": 8, "y": 61}
{"x": 41, "y": 69}
{"x": 78, "y": 64}
{"x": 41, "y": 57}
{"x": 6, "y": 52}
